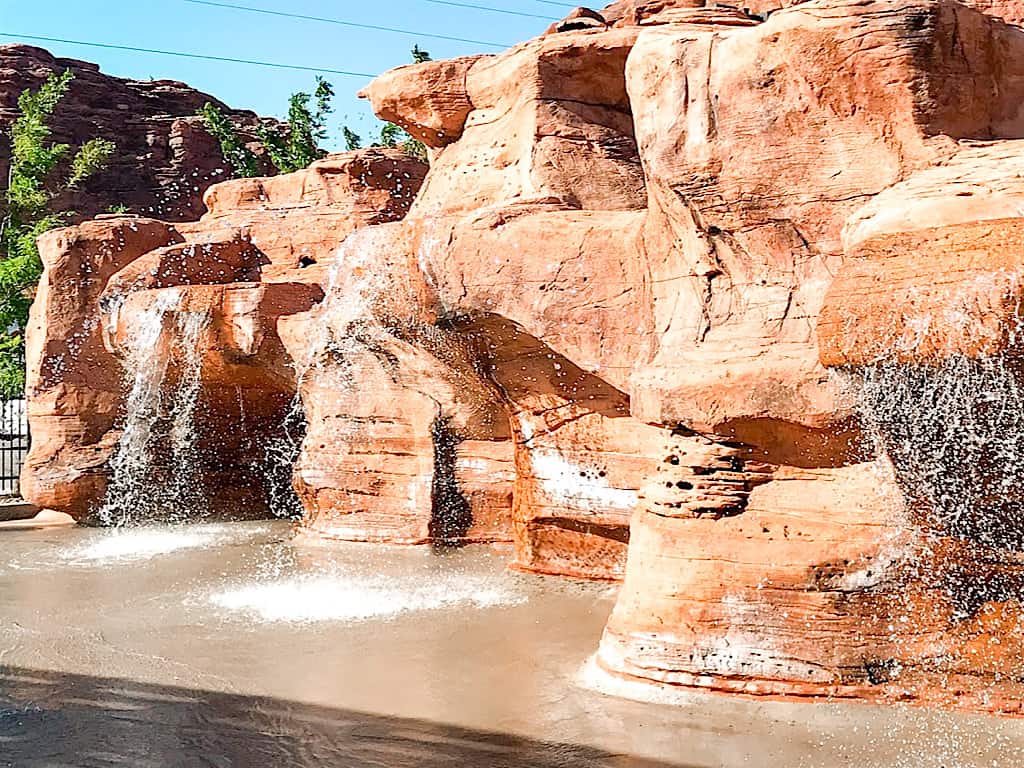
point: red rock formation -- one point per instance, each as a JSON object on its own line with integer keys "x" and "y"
{"x": 73, "y": 384}
{"x": 165, "y": 160}
{"x": 763, "y": 558}
{"x": 260, "y": 254}
{"x": 605, "y": 327}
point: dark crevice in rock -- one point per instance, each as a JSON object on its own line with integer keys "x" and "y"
{"x": 450, "y": 513}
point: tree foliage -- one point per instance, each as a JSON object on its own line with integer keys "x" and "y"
{"x": 352, "y": 139}
{"x": 289, "y": 148}
{"x": 33, "y": 184}
{"x": 242, "y": 160}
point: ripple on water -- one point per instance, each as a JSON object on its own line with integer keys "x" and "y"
{"x": 341, "y": 597}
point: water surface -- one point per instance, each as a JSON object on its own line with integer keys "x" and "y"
{"x": 234, "y": 645}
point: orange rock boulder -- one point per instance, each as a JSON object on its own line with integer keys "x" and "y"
{"x": 132, "y": 313}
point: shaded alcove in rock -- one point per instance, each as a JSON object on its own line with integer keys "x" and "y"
{"x": 580, "y": 458}
{"x": 210, "y": 414}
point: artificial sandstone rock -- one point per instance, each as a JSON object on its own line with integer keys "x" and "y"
{"x": 298, "y": 220}
{"x": 406, "y": 442}
{"x": 390, "y": 455}
{"x": 210, "y": 257}
{"x": 242, "y": 383}
{"x": 550, "y": 122}
{"x": 876, "y": 599}
{"x": 653, "y": 12}
{"x": 632, "y": 13}
{"x": 576, "y": 285}
{"x": 579, "y": 457}
{"x": 429, "y": 100}
{"x": 604, "y": 329}
{"x": 1011, "y": 11}
{"x": 935, "y": 267}
{"x": 577, "y": 19}
{"x": 72, "y": 383}
{"x": 242, "y": 268}
{"x": 747, "y": 125}
{"x": 922, "y": 296}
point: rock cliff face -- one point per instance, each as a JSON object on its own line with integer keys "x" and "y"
{"x": 689, "y": 298}
{"x": 116, "y": 288}
{"x": 165, "y": 160}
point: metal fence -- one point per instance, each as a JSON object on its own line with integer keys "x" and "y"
{"x": 14, "y": 442}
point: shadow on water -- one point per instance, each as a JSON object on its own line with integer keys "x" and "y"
{"x": 56, "y": 720}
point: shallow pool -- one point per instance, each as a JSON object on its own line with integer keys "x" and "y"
{"x": 235, "y": 645}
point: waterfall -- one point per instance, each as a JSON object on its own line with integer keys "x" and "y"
{"x": 279, "y": 457}
{"x": 154, "y": 469}
{"x": 187, "y": 491}
{"x": 343, "y": 324}
{"x": 955, "y": 434}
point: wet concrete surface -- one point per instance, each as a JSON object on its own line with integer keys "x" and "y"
{"x": 234, "y": 645}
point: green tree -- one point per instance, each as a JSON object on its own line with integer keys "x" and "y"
{"x": 391, "y": 135}
{"x": 290, "y": 148}
{"x": 242, "y": 160}
{"x": 352, "y": 139}
{"x": 26, "y": 204}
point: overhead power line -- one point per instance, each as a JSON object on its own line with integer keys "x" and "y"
{"x": 344, "y": 23}
{"x": 182, "y": 54}
{"x": 490, "y": 9}
{"x": 560, "y": 5}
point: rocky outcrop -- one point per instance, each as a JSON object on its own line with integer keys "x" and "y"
{"x": 681, "y": 379}
{"x": 689, "y": 298}
{"x": 119, "y": 286}
{"x": 936, "y": 267}
{"x": 164, "y": 161}
{"x": 73, "y": 385}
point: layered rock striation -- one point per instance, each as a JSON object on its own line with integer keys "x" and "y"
{"x": 722, "y": 304}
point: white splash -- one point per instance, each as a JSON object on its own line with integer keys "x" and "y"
{"x": 348, "y": 598}
{"x": 569, "y": 484}
{"x": 133, "y": 544}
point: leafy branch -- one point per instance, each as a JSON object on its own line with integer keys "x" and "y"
{"x": 290, "y": 148}
{"x": 25, "y": 212}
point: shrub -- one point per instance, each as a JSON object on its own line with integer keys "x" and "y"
{"x": 289, "y": 148}
{"x": 26, "y": 213}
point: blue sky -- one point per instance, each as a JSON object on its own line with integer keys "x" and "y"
{"x": 179, "y": 25}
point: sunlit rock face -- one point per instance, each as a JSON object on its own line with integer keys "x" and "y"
{"x": 157, "y": 381}
{"x": 722, "y": 307}
{"x": 667, "y": 361}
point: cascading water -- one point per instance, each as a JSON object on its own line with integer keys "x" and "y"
{"x": 345, "y": 319}
{"x": 279, "y": 456}
{"x": 154, "y": 469}
{"x": 955, "y": 434}
{"x": 187, "y": 490}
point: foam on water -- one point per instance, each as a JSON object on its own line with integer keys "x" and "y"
{"x": 132, "y": 544}
{"x": 349, "y": 598}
